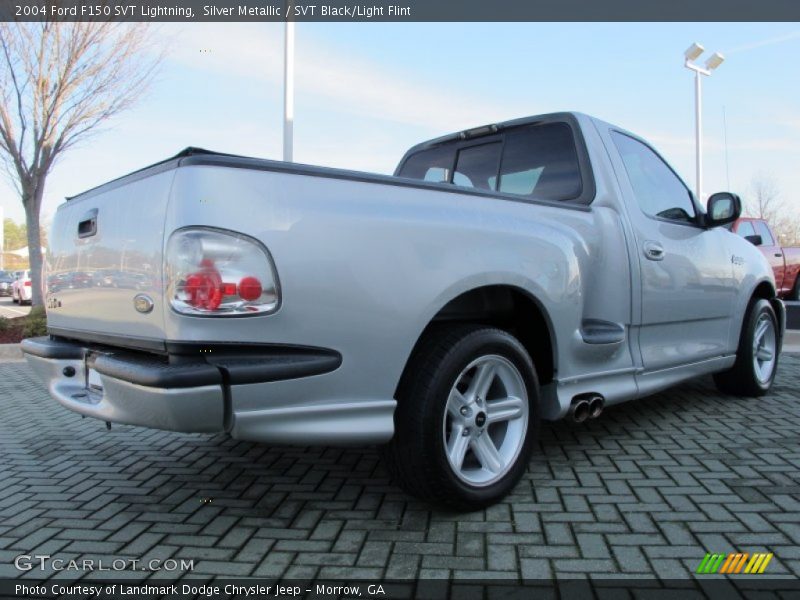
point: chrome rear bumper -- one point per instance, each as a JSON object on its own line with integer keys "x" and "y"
{"x": 191, "y": 408}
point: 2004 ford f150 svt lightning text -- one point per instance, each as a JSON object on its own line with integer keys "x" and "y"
{"x": 536, "y": 269}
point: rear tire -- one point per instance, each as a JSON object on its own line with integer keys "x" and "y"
{"x": 467, "y": 417}
{"x": 757, "y": 356}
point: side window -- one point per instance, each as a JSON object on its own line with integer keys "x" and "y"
{"x": 659, "y": 191}
{"x": 745, "y": 228}
{"x": 476, "y": 166}
{"x": 763, "y": 231}
{"x": 437, "y": 174}
{"x": 433, "y": 164}
{"x": 541, "y": 161}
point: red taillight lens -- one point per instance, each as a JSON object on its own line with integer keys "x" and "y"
{"x": 203, "y": 290}
{"x": 28, "y": 284}
{"x": 250, "y": 288}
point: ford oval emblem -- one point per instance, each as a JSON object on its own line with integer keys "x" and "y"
{"x": 143, "y": 303}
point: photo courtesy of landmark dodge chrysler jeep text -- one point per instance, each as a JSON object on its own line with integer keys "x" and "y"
{"x": 542, "y": 268}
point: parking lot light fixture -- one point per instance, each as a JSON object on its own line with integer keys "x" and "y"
{"x": 691, "y": 54}
{"x": 715, "y": 61}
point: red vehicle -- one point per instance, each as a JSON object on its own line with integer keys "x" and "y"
{"x": 785, "y": 262}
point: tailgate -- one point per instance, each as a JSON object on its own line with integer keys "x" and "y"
{"x": 104, "y": 262}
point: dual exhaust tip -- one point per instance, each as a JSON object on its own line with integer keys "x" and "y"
{"x": 586, "y": 407}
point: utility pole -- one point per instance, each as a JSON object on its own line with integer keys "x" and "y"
{"x": 727, "y": 167}
{"x": 288, "y": 87}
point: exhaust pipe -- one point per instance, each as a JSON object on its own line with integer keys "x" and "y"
{"x": 579, "y": 411}
{"x": 587, "y": 406}
{"x": 596, "y": 404}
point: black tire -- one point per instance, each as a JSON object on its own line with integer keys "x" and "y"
{"x": 743, "y": 379}
{"x": 416, "y": 456}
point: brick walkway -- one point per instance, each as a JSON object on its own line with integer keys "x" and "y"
{"x": 646, "y": 490}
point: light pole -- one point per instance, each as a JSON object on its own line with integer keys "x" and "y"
{"x": 692, "y": 53}
{"x": 288, "y": 87}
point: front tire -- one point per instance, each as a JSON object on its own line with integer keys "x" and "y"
{"x": 757, "y": 356}
{"x": 467, "y": 417}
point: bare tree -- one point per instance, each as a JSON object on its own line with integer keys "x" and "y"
{"x": 764, "y": 198}
{"x": 765, "y": 202}
{"x": 58, "y": 83}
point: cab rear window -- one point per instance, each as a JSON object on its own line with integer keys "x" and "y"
{"x": 537, "y": 161}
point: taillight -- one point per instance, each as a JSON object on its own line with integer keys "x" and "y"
{"x": 28, "y": 283}
{"x": 219, "y": 273}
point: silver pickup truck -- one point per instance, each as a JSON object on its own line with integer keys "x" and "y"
{"x": 541, "y": 268}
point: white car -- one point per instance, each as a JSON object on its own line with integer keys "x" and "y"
{"x": 21, "y": 290}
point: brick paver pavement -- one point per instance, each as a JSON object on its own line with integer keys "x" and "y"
{"x": 644, "y": 491}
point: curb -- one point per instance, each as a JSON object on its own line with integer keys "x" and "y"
{"x": 791, "y": 342}
{"x": 10, "y": 352}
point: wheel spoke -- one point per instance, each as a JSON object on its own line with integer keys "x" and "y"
{"x": 487, "y": 454}
{"x": 760, "y": 330}
{"x": 481, "y": 382}
{"x": 505, "y": 409}
{"x": 765, "y": 354}
{"x": 457, "y": 446}
{"x": 764, "y": 348}
{"x": 455, "y": 403}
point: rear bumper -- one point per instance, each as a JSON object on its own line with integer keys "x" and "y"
{"x": 189, "y": 408}
{"x": 148, "y": 390}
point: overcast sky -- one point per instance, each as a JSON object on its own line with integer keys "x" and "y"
{"x": 368, "y": 91}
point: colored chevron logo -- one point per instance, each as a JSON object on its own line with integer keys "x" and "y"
{"x": 734, "y": 563}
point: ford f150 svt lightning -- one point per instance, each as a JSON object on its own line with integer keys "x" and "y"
{"x": 541, "y": 268}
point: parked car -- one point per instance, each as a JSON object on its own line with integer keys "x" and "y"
{"x": 785, "y": 262}
{"x": 543, "y": 268}
{"x": 6, "y": 281}
{"x": 21, "y": 291}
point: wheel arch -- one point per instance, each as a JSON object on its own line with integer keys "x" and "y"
{"x": 764, "y": 289}
{"x": 508, "y": 307}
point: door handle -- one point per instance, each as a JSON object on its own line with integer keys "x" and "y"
{"x": 653, "y": 251}
{"x": 778, "y": 255}
{"x": 87, "y": 226}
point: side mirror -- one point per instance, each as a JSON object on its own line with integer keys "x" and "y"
{"x": 723, "y": 208}
{"x": 756, "y": 240}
